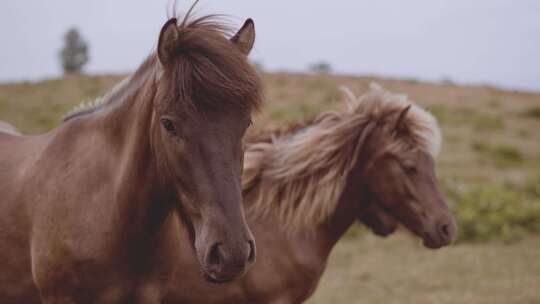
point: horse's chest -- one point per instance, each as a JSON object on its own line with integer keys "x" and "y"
{"x": 126, "y": 279}
{"x": 105, "y": 264}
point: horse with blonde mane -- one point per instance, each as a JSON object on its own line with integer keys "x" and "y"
{"x": 92, "y": 210}
{"x": 304, "y": 187}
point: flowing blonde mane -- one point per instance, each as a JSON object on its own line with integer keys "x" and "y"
{"x": 299, "y": 175}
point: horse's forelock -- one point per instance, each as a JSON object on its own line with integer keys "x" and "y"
{"x": 422, "y": 126}
{"x": 210, "y": 71}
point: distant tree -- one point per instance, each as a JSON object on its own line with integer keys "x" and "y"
{"x": 321, "y": 68}
{"x": 74, "y": 54}
{"x": 447, "y": 80}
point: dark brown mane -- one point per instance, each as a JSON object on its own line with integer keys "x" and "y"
{"x": 114, "y": 95}
{"x": 209, "y": 71}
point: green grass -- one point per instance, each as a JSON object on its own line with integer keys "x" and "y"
{"x": 293, "y": 113}
{"x": 36, "y": 108}
{"x": 501, "y": 154}
{"x": 451, "y": 117}
{"x": 485, "y": 122}
{"x": 467, "y": 115}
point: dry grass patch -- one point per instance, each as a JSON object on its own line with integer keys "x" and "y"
{"x": 398, "y": 270}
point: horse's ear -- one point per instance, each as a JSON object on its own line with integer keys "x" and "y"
{"x": 245, "y": 38}
{"x": 399, "y": 125}
{"x": 168, "y": 41}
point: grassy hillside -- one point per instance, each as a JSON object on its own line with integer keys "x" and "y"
{"x": 399, "y": 270}
{"x": 489, "y": 169}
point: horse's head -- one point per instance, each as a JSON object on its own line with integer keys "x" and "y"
{"x": 206, "y": 92}
{"x": 401, "y": 179}
{"x": 377, "y": 219}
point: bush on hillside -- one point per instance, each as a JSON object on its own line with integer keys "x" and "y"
{"x": 496, "y": 212}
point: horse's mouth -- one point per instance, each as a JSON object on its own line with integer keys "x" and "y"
{"x": 215, "y": 279}
{"x": 384, "y": 231}
{"x": 221, "y": 276}
{"x": 434, "y": 242}
{"x": 431, "y": 244}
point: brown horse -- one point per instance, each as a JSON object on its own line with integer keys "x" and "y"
{"x": 304, "y": 189}
{"x": 91, "y": 212}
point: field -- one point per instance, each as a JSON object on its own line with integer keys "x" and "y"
{"x": 489, "y": 169}
{"x": 400, "y": 270}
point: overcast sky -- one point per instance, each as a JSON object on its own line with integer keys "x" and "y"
{"x": 469, "y": 41}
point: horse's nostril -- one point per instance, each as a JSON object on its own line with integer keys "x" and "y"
{"x": 252, "y": 251}
{"x": 445, "y": 230}
{"x": 214, "y": 257}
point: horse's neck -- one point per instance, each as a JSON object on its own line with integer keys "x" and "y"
{"x": 132, "y": 120}
{"x": 130, "y": 108}
{"x": 310, "y": 249}
{"x": 341, "y": 220}
{"x": 351, "y": 200}
{"x": 127, "y": 125}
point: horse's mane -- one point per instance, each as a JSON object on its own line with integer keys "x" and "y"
{"x": 209, "y": 72}
{"x": 299, "y": 174}
{"x": 91, "y": 106}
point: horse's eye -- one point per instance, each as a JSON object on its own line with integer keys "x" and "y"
{"x": 410, "y": 170}
{"x": 168, "y": 125}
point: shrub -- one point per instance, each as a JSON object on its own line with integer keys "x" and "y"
{"x": 496, "y": 212}
{"x": 451, "y": 116}
{"x": 494, "y": 102}
{"x": 464, "y": 115}
{"x": 481, "y": 147}
{"x": 502, "y": 154}
{"x": 532, "y": 112}
{"x": 508, "y": 153}
{"x": 293, "y": 113}
{"x": 487, "y": 122}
